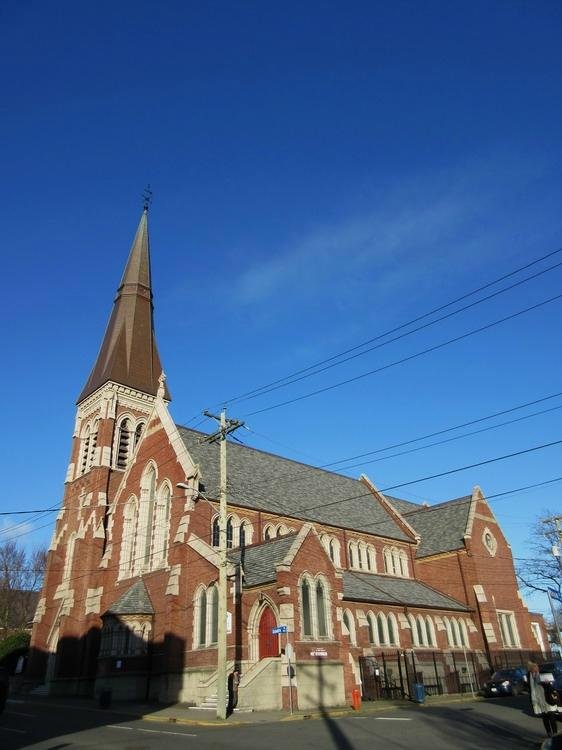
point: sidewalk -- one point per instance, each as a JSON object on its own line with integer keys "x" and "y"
{"x": 178, "y": 713}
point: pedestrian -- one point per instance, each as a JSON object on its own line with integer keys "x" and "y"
{"x": 538, "y": 700}
{"x": 233, "y": 682}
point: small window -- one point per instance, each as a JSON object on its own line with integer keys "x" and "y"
{"x": 215, "y": 534}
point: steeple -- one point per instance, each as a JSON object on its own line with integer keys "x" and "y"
{"x": 128, "y": 354}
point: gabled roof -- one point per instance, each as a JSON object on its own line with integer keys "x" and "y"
{"x": 135, "y": 601}
{"x": 260, "y": 561}
{"x": 369, "y": 587}
{"x": 271, "y": 483}
{"x": 404, "y": 506}
{"x": 442, "y": 527}
{"x": 128, "y": 354}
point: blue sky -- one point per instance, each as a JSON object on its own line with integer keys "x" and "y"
{"x": 322, "y": 172}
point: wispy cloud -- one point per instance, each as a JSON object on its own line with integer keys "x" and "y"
{"x": 440, "y": 220}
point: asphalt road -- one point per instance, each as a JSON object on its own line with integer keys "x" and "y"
{"x": 500, "y": 723}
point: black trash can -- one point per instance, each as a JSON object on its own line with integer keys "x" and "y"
{"x": 105, "y": 698}
{"x": 418, "y": 692}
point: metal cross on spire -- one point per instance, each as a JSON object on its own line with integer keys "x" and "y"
{"x": 147, "y": 197}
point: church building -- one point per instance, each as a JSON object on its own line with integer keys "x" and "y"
{"x": 332, "y": 587}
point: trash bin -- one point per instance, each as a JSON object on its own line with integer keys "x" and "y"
{"x": 105, "y": 698}
{"x": 419, "y": 692}
{"x": 356, "y": 699}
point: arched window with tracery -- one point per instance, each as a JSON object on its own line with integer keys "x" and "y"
{"x": 387, "y": 557}
{"x": 372, "y": 628}
{"x": 306, "y": 608}
{"x": 403, "y": 562}
{"x": 381, "y": 629}
{"x": 215, "y": 533}
{"x": 351, "y": 555}
{"x": 128, "y": 538}
{"x": 371, "y": 559}
{"x": 229, "y": 532}
{"x": 429, "y": 631}
{"x": 321, "y": 609}
{"x": 349, "y": 622}
{"x": 138, "y": 432}
{"x": 392, "y": 630}
{"x": 161, "y": 526}
{"x": 242, "y": 534}
{"x": 145, "y": 520}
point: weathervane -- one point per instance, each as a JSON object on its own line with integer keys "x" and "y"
{"x": 147, "y": 197}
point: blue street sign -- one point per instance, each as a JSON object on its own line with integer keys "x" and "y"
{"x": 279, "y": 629}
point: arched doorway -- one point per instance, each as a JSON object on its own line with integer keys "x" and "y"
{"x": 268, "y": 642}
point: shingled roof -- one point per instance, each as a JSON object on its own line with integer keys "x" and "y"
{"x": 135, "y": 601}
{"x": 441, "y": 527}
{"x": 128, "y": 353}
{"x": 271, "y": 483}
{"x": 260, "y": 561}
{"x": 369, "y": 587}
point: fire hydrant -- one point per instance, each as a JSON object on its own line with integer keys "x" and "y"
{"x": 356, "y": 699}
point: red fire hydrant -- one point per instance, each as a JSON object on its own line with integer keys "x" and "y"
{"x": 356, "y": 699}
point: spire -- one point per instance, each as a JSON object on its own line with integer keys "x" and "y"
{"x": 128, "y": 354}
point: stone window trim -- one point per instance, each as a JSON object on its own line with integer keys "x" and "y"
{"x": 125, "y": 637}
{"x": 239, "y": 531}
{"x": 457, "y": 632}
{"x": 348, "y": 626}
{"x": 146, "y": 526}
{"x": 508, "y": 628}
{"x": 88, "y": 445}
{"x": 333, "y": 548}
{"x": 490, "y": 542}
{"x": 383, "y": 629}
{"x": 274, "y": 531}
{"x": 361, "y": 556}
{"x": 395, "y": 562}
{"x": 128, "y": 431}
{"x": 315, "y": 622}
{"x": 205, "y": 616}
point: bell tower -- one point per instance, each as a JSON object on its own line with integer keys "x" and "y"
{"x": 112, "y": 410}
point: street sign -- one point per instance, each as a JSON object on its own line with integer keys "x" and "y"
{"x": 319, "y": 652}
{"x": 279, "y": 629}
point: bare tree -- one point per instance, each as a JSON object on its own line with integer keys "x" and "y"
{"x": 542, "y": 571}
{"x": 21, "y": 576}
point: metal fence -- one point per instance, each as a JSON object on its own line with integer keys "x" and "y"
{"x": 392, "y": 674}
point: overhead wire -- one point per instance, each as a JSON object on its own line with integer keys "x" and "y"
{"x": 403, "y": 360}
{"x": 427, "y": 314}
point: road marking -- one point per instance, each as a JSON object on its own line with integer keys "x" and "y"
{"x": 164, "y": 731}
{"x": 150, "y": 731}
{"x": 391, "y": 718}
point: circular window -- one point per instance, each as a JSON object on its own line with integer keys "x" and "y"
{"x": 489, "y": 541}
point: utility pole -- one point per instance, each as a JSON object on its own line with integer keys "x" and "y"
{"x": 226, "y": 426}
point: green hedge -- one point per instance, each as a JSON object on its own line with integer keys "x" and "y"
{"x": 13, "y": 643}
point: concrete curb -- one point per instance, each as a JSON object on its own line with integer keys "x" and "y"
{"x": 258, "y": 717}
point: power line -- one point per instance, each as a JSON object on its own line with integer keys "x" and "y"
{"x": 294, "y": 476}
{"x": 405, "y": 359}
{"x": 290, "y": 380}
{"x": 407, "y": 323}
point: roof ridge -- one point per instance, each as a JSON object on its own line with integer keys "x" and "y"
{"x": 234, "y": 444}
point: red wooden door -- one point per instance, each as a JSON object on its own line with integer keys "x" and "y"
{"x": 269, "y": 643}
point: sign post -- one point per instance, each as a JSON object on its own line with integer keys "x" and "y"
{"x": 288, "y": 649}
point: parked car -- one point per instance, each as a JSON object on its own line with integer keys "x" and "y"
{"x": 506, "y": 682}
{"x": 551, "y": 671}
